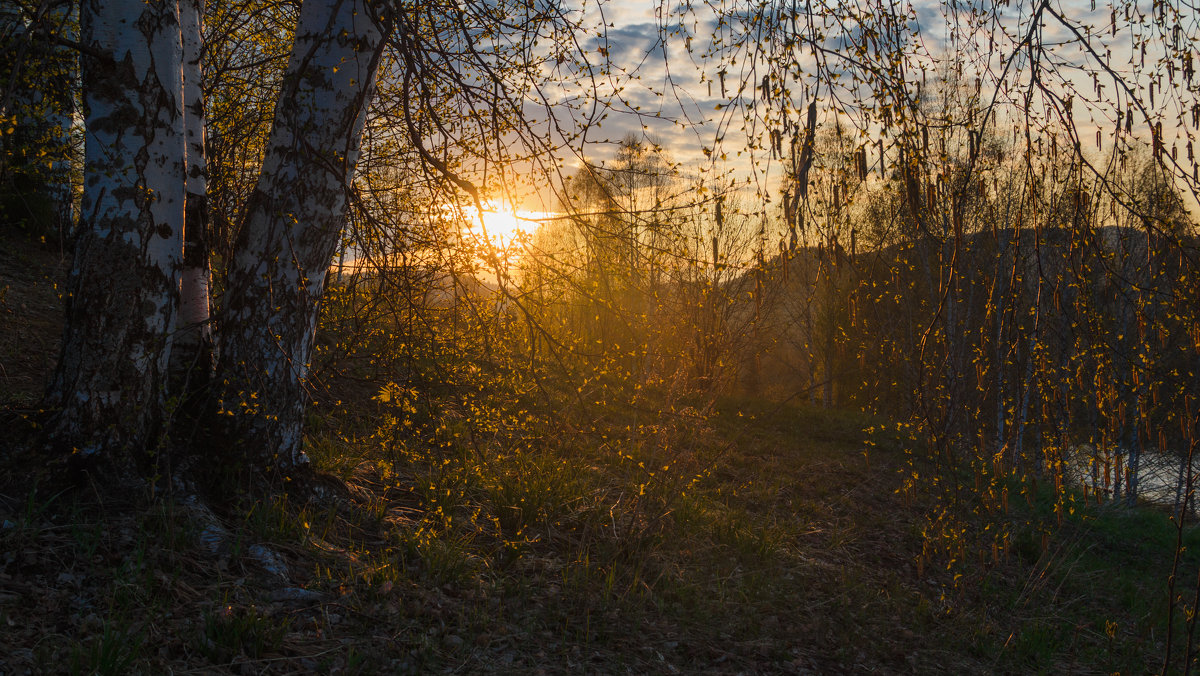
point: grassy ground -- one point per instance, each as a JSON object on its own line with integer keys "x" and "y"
{"x": 741, "y": 537}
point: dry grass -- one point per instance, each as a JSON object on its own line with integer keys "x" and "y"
{"x": 791, "y": 554}
{"x": 775, "y": 541}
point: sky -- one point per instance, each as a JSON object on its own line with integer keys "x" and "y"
{"x": 663, "y": 95}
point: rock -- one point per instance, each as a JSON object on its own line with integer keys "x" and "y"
{"x": 269, "y": 559}
{"x": 294, "y": 595}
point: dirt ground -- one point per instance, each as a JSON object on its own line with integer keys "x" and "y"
{"x": 32, "y": 276}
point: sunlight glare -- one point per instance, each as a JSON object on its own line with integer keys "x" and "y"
{"x": 504, "y": 227}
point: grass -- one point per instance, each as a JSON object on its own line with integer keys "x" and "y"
{"x": 487, "y": 535}
{"x": 777, "y": 548}
{"x": 229, "y": 632}
{"x": 114, "y": 651}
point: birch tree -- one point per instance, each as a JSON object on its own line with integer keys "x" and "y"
{"x": 291, "y": 228}
{"x": 139, "y": 295}
{"x": 140, "y": 181}
{"x": 123, "y": 288}
{"x": 193, "y": 350}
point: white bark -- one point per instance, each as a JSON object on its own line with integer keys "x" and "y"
{"x": 124, "y": 284}
{"x": 292, "y": 226}
{"x": 191, "y": 363}
{"x": 192, "y": 354}
{"x": 194, "y": 296}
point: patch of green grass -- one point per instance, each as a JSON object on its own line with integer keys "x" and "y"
{"x": 1035, "y": 647}
{"x": 274, "y": 520}
{"x": 114, "y": 651}
{"x": 535, "y": 496}
{"x": 445, "y": 558}
{"x": 1089, "y": 590}
{"x": 334, "y": 454}
{"x": 230, "y": 631}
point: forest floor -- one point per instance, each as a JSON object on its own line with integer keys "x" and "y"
{"x": 735, "y": 537}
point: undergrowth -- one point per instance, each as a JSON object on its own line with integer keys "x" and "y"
{"x": 509, "y": 519}
{"x": 775, "y": 540}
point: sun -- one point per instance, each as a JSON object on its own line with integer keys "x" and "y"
{"x": 504, "y": 227}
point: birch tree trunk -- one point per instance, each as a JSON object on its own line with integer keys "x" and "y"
{"x": 123, "y": 290}
{"x": 192, "y": 354}
{"x": 290, "y": 231}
